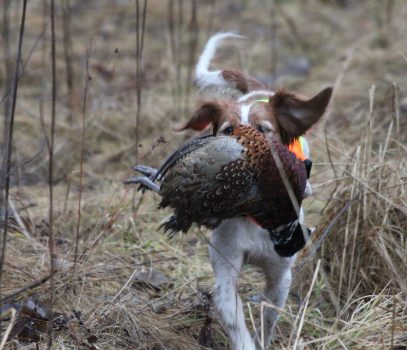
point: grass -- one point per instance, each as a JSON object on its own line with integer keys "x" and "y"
{"x": 355, "y": 299}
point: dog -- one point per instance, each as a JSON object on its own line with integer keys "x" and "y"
{"x": 237, "y": 98}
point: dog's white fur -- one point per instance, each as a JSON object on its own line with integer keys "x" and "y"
{"x": 244, "y": 113}
{"x": 238, "y": 241}
{"x": 252, "y": 94}
{"x": 233, "y": 243}
{"x": 204, "y": 78}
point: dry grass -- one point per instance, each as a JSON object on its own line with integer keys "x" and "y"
{"x": 356, "y": 299}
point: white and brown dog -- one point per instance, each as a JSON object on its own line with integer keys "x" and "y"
{"x": 237, "y": 98}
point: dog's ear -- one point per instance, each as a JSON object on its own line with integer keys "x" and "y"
{"x": 206, "y": 114}
{"x": 294, "y": 115}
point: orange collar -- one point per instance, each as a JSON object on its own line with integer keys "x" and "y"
{"x": 296, "y": 148}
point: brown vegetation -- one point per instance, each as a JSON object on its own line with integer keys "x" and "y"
{"x": 132, "y": 288}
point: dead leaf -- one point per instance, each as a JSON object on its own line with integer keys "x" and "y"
{"x": 205, "y": 337}
{"x": 31, "y": 323}
{"x": 32, "y": 320}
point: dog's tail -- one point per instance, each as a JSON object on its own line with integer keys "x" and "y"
{"x": 202, "y": 67}
{"x": 222, "y": 82}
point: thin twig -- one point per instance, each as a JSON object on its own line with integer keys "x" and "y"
{"x": 18, "y": 165}
{"x": 7, "y": 62}
{"x": 273, "y": 39}
{"x": 19, "y": 221}
{"x": 296, "y": 34}
{"x": 318, "y": 242}
{"x": 139, "y": 69}
{"x": 396, "y": 116}
{"x": 175, "y": 33}
{"x": 328, "y": 114}
{"x": 51, "y": 241}
{"x": 9, "y": 143}
{"x": 306, "y": 304}
{"x": 217, "y": 251}
{"x": 26, "y": 288}
{"x": 192, "y": 48}
{"x": 393, "y": 321}
{"x": 9, "y": 328}
{"x": 25, "y": 62}
{"x": 66, "y": 21}
{"x": 140, "y": 30}
{"x": 8, "y": 84}
{"x": 209, "y": 28}
{"x": 151, "y": 303}
{"x": 178, "y": 67}
{"x": 82, "y": 157}
{"x": 113, "y": 218}
{"x": 256, "y": 333}
{"x": 373, "y": 191}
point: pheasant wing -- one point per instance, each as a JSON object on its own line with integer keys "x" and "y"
{"x": 212, "y": 183}
{"x": 180, "y": 153}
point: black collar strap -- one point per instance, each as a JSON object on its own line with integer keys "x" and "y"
{"x": 289, "y": 239}
{"x": 308, "y": 166}
{"x": 282, "y": 234}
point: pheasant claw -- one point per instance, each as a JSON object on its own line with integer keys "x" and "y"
{"x": 144, "y": 182}
{"x": 145, "y": 170}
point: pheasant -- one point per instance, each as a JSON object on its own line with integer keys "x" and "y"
{"x": 213, "y": 178}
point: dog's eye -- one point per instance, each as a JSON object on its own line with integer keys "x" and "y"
{"x": 228, "y": 130}
{"x": 264, "y": 128}
{"x": 261, "y": 129}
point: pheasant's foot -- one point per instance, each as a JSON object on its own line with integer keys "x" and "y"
{"x": 144, "y": 183}
{"x": 145, "y": 170}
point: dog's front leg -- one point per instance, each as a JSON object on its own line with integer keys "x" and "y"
{"x": 227, "y": 259}
{"x": 278, "y": 280}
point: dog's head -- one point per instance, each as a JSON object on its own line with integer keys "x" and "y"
{"x": 282, "y": 116}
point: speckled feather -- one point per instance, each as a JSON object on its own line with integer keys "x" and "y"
{"x": 230, "y": 176}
